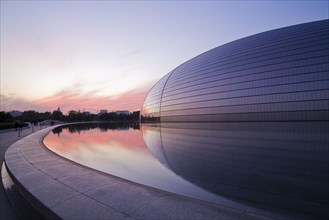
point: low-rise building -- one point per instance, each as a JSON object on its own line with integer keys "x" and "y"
{"x": 102, "y": 111}
{"x": 122, "y": 112}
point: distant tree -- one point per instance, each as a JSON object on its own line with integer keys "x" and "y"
{"x": 47, "y": 115}
{"x": 57, "y": 115}
{"x": 29, "y": 116}
{"x": 135, "y": 115}
{"x": 72, "y": 115}
{"x": 6, "y": 117}
{"x": 44, "y": 116}
{"x": 79, "y": 116}
{"x": 104, "y": 117}
{"x": 112, "y": 116}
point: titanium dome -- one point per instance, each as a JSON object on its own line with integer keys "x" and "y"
{"x": 278, "y": 75}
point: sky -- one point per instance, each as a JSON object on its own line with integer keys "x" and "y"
{"x": 92, "y": 55}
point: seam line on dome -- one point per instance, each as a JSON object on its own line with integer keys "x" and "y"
{"x": 163, "y": 88}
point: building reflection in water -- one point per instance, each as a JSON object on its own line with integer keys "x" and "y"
{"x": 281, "y": 165}
{"x": 119, "y": 149}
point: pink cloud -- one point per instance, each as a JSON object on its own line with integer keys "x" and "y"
{"x": 76, "y": 100}
{"x": 11, "y": 102}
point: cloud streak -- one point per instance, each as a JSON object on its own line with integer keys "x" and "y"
{"x": 11, "y": 102}
{"x": 88, "y": 101}
{"x": 77, "y": 98}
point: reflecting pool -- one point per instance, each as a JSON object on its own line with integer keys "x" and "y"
{"x": 276, "y": 166}
{"x": 119, "y": 150}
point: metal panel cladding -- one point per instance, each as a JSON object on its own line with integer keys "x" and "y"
{"x": 151, "y": 108}
{"x": 278, "y": 75}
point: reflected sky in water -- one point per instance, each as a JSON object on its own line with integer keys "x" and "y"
{"x": 260, "y": 166}
{"x": 119, "y": 150}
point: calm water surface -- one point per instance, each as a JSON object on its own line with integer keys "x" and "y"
{"x": 281, "y": 167}
{"x": 120, "y": 150}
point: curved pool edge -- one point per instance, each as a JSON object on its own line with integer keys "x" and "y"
{"x": 22, "y": 205}
{"x": 59, "y": 188}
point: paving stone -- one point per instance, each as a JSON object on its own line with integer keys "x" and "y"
{"x": 125, "y": 197}
{"x": 72, "y": 209}
{"x": 60, "y": 170}
{"x": 177, "y": 207}
{"x": 84, "y": 182}
{"x": 34, "y": 180}
{"x": 53, "y": 193}
{"x": 21, "y": 169}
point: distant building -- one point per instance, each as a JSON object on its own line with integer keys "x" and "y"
{"x": 102, "y": 111}
{"x": 16, "y": 113}
{"x": 122, "y": 112}
{"x": 136, "y": 114}
{"x": 86, "y": 113}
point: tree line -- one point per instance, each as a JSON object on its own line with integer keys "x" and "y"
{"x": 72, "y": 116}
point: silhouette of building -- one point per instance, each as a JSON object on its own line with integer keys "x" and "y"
{"x": 86, "y": 113}
{"x": 16, "y": 113}
{"x": 278, "y": 75}
{"x": 122, "y": 112}
{"x": 102, "y": 111}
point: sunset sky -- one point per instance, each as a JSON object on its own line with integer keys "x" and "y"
{"x": 91, "y": 55}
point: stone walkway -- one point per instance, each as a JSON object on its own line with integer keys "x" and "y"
{"x": 7, "y": 138}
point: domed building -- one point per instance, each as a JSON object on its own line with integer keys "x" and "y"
{"x": 278, "y": 75}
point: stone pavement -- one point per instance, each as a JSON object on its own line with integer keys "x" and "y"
{"x": 7, "y": 138}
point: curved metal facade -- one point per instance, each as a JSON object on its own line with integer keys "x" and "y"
{"x": 279, "y": 75}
